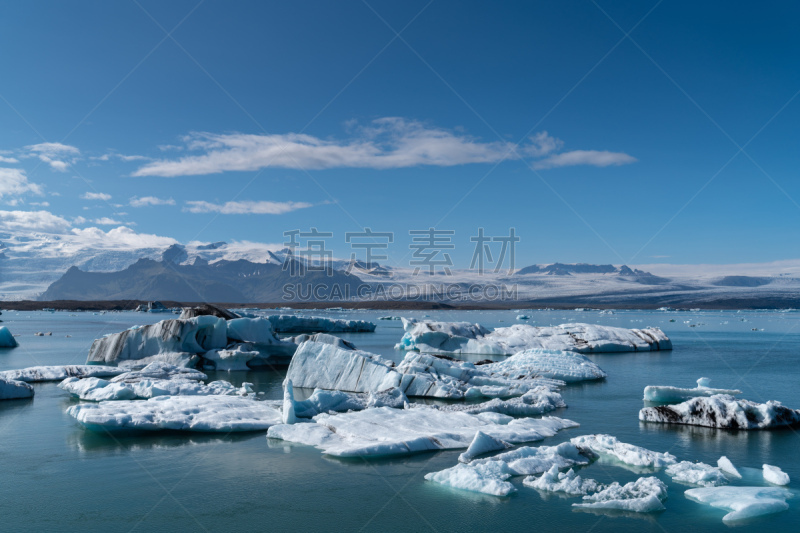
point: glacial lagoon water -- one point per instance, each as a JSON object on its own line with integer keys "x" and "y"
{"x": 54, "y": 475}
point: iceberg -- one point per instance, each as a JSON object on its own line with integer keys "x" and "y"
{"x": 489, "y": 475}
{"x": 157, "y": 379}
{"x": 482, "y": 444}
{"x": 235, "y": 344}
{"x": 178, "y": 413}
{"x": 14, "y": 390}
{"x": 7, "y": 340}
{"x": 326, "y": 366}
{"x": 742, "y": 502}
{"x": 641, "y": 496}
{"x": 463, "y": 337}
{"x": 569, "y": 483}
{"x": 623, "y": 452}
{"x": 325, "y": 401}
{"x": 36, "y": 374}
{"x": 384, "y": 431}
{"x": 697, "y": 474}
{"x": 723, "y": 411}
{"x": 315, "y": 324}
{"x": 775, "y": 475}
{"x": 569, "y": 367}
{"x": 725, "y": 464}
{"x": 666, "y": 394}
{"x": 536, "y": 401}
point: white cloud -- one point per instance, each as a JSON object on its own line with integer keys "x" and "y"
{"x": 150, "y": 200}
{"x": 41, "y": 204}
{"x": 121, "y": 157}
{"x": 32, "y": 221}
{"x": 8, "y": 160}
{"x": 58, "y": 156}
{"x": 386, "y": 143}
{"x": 13, "y": 182}
{"x": 96, "y": 196}
{"x": 106, "y": 221}
{"x": 594, "y": 158}
{"x": 78, "y": 221}
{"x": 245, "y": 208}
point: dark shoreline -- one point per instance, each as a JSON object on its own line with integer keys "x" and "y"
{"x": 586, "y": 303}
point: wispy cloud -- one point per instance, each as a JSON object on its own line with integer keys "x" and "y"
{"x": 58, "y": 156}
{"x": 14, "y": 182}
{"x": 106, "y": 221}
{"x": 385, "y": 143}
{"x": 9, "y": 160}
{"x": 150, "y": 200}
{"x": 96, "y": 196}
{"x": 245, "y": 208}
{"x": 122, "y": 157}
{"x": 32, "y": 221}
{"x": 593, "y": 158}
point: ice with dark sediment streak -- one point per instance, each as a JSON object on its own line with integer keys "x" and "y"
{"x": 742, "y": 502}
{"x": 667, "y": 394}
{"x": 537, "y": 401}
{"x": 334, "y": 401}
{"x": 723, "y": 411}
{"x": 178, "y": 413}
{"x": 315, "y": 324}
{"x": 385, "y": 431}
{"x": 7, "y": 340}
{"x": 641, "y": 496}
{"x": 34, "y": 374}
{"x": 327, "y": 366}
{"x": 462, "y": 337}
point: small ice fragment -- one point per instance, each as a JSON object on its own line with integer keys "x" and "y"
{"x": 775, "y": 475}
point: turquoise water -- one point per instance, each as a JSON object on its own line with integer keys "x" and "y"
{"x": 57, "y": 476}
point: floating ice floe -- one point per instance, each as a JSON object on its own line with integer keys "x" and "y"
{"x": 7, "y": 340}
{"x": 490, "y": 475}
{"x": 623, "y": 452}
{"x": 725, "y": 464}
{"x": 743, "y": 502}
{"x": 463, "y": 337}
{"x": 775, "y": 475}
{"x": 315, "y": 324}
{"x": 641, "y": 496}
{"x": 723, "y": 411}
{"x": 667, "y": 394}
{"x": 537, "y": 401}
{"x": 35, "y": 374}
{"x": 697, "y": 474}
{"x": 226, "y": 344}
{"x": 179, "y": 413}
{"x": 387, "y": 431}
{"x": 482, "y": 444}
{"x": 14, "y": 390}
{"x": 326, "y": 366}
{"x": 156, "y": 379}
{"x": 569, "y": 483}
{"x": 327, "y": 401}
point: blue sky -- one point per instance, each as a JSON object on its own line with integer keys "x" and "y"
{"x": 675, "y": 144}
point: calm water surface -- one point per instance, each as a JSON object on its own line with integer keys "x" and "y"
{"x": 57, "y": 476}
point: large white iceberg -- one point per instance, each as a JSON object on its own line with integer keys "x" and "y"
{"x": 697, "y": 474}
{"x": 7, "y": 340}
{"x": 641, "y": 496}
{"x": 667, "y": 394}
{"x": 490, "y": 475}
{"x": 236, "y": 344}
{"x": 179, "y": 413}
{"x": 629, "y": 454}
{"x": 35, "y": 374}
{"x": 568, "y": 483}
{"x": 14, "y": 390}
{"x": 327, "y": 366}
{"x": 315, "y": 324}
{"x": 463, "y": 337}
{"x": 742, "y": 502}
{"x": 387, "y": 431}
{"x": 723, "y": 411}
